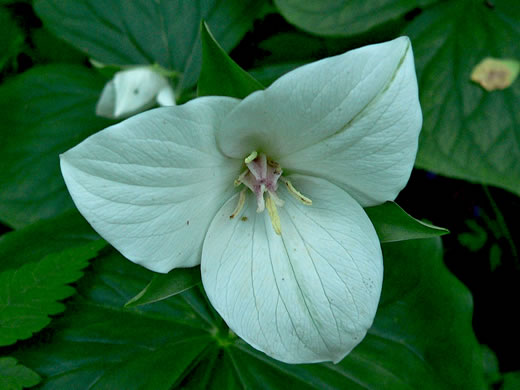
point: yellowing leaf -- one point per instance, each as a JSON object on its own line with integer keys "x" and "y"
{"x": 494, "y": 73}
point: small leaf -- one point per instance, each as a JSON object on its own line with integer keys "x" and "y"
{"x": 220, "y": 75}
{"x": 29, "y": 295}
{"x": 475, "y": 239}
{"x": 164, "y": 286}
{"x": 392, "y": 224}
{"x": 14, "y": 376}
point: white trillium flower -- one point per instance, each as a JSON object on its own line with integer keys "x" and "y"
{"x": 132, "y": 91}
{"x": 188, "y": 185}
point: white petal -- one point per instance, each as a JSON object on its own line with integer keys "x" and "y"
{"x": 313, "y": 102}
{"x": 106, "y": 104}
{"x": 151, "y": 185}
{"x": 136, "y": 90}
{"x": 166, "y": 96}
{"x": 373, "y": 157}
{"x": 306, "y": 296}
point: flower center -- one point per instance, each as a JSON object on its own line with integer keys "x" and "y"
{"x": 261, "y": 176}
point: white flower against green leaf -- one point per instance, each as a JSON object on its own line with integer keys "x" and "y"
{"x": 266, "y": 194}
{"x": 134, "y": 90}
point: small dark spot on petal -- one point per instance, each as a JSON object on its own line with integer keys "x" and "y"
{"x": 136, "y": 91}
{"x": 187, "y": 222}
{"x": 244, "y": 219}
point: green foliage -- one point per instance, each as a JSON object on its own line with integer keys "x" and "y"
{"x": 51, "y": 109}
{"x": 11, "y": 38}
{"x": 14, "y": 376}
{"x": 345, "y": 17}
{"x": 50, "y": 236}
{"x": 220, "y": 75}
{"x": 468, "y": 133}
{"x": 164, "y": 286}
{"x": 49, "y": 48}
{"x": 392, "y": 223}
{"x": 491, "y": 368}
{"x": 29, "y": 295}
{"x": 476, "y": 238}
{"x": 421, "y": 337}
{"x": 511, "y": 381}
{"x": 147, "y": 32}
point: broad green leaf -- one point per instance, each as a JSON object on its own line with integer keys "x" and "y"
{"x": 49, "y": 110}
{"x": 164, "y": 286}
{"x": 345, "y": 17}
{"x": 49, "y": 48}
{"x": 421, "y": 338}
{"x": 11, "y": 38}
{"x": 220, "y": 75}
{"x": 45, "y": 237}
{"x": 392, "y": 223}
{"x": 145, "y": 32}
{"x": 29, "y": 295}
{"x": 14, "y": 376}
{"x": 468, "y": 133}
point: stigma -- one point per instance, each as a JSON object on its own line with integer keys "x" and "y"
{"x": 261, "y": 176}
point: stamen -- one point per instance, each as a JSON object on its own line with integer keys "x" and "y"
{"x": 279, "y": 202}
{"x": 297, "y": 194}
{"x": 240, "y": 205}
{"x": 273, "y": 214}
{"x": 240, "y": 179}
{"x": 261, "y": 176}
{"x": 251, "y": 157}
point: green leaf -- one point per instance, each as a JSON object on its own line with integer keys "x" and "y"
{"x": 146, "y": 32}
{"x": 29, "y": 295}
{"x": 421, "y": 337}
{"x": 475, "y": 239}
{"x": 164, "y": 286}
{"x": 99, "y": 341}
{"x": 345, "y": 18}
{"x": 11, "y": 38}
{"x": 220, "y": 75}
{"x": 511, "y": 381}
{"x": 50, "y": 109}
{"x": 468, "y": 133}
{"x": 49, "y": 48}
{"x": 491, "y": 367}
{"x": 392, "y": 224}
{"x": 14, "y": 376}
{"x": 50, "y": 236}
